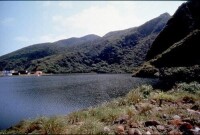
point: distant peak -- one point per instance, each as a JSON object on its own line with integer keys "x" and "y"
{"x": 90, "y": 35}
{"x": 165, "y": 15}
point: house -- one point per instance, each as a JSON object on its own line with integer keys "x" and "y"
{"x": 1, "y": 73}
{"x": 8, "y": 72}
{"x": 38, "y": 73}
{"x": 16, "y": 73}
{"x": 23, "y": 72}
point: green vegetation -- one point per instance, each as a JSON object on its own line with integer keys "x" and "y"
{"x": 138, "y": 106}
{"x": 174, "y": 56}
{"x": 173, "y": 64}
{"x": 116, "y": 52}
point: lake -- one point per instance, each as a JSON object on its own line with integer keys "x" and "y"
{"x": 24, "y": 97}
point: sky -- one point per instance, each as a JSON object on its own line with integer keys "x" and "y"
{"x": 23, "y": 23}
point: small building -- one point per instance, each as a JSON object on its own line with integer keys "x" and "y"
{"x": 38, "y": 73}
{"x": 16, "y": 73}
{"x": 8, "y": 72}
{"x": 1, "y": 73}
{"x": 23, "y": 72}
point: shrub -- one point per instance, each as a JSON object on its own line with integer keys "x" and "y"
{"x": 54, "y": 126}
{"x": 165, "y": 96}
{"x": 90, "y": 126}
{"x": 108, "y": 115}
{"x": 192, "y": 87}
{"x": 134, "y": 97}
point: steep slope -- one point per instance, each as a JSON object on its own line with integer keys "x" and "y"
{"x": 181, "y": 67}
{"x": 188, "y": 45}
{"x": 185, "y": 20}
{"x": 178, "y": 58}
{"x": 117, "y": 52}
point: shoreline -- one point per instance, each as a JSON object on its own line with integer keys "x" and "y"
{"x": 60, "y": 74}
{"x": 93, "y": 89}
{"x": 143, "y": 110}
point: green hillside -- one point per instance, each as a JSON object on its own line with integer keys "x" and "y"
{"x": 116, "y": 52}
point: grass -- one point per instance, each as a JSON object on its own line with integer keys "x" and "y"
{"x": 136, "y": 104}
{"x": 89, "y": 126}
{"x": 165, "y": 96}
{"x": 193, "y": 87}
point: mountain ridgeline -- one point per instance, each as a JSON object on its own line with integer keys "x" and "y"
{"x": 116, "y": 52}
{"x": 174, "y": 55}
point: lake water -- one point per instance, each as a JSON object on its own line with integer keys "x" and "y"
{"x": 24, "y": 97}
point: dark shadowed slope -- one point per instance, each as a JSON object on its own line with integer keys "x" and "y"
{"x": 187, "y": 50}
{"x": 185, "y": 20}
{"x": 175, "y": 51}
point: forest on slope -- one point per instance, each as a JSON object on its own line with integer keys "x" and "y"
{"x": 115, "y": 52}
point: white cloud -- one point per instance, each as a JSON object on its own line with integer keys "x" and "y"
{"x": 98, "y": 20}
{"x": 7, "y": 21}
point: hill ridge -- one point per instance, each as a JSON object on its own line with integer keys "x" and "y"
{"x": 116, "y": 54}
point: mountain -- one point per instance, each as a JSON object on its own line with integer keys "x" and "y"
{"x": 22, "y": 58}
{"x": 116, "y": 52}
{"x": 174, "y": 55}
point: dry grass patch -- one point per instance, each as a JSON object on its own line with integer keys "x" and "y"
{"x": 89, "y": 126}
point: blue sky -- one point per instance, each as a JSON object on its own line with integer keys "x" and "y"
{"x": 23, "y": 23}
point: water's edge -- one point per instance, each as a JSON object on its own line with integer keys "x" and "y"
{"x": 27, "y": 97}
